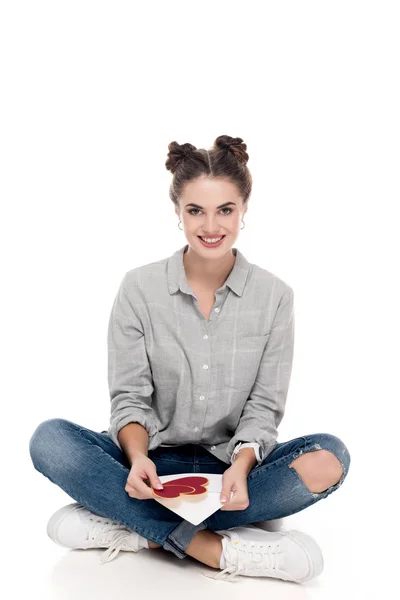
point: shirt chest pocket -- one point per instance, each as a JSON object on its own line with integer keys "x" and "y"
{"x": 242, "y": 365}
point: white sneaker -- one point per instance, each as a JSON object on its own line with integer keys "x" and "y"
{"x": 74, "y": 526}
{"x": 251, "y": 551}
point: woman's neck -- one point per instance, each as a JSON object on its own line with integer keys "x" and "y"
{"x": 208, "y": 274}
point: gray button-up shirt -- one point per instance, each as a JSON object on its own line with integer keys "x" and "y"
{"x": 191, "y": 380}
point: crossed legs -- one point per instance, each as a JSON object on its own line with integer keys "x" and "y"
{"x": 319, "y": 470}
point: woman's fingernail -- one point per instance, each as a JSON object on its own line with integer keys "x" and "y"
{"x": 223, "y": 498}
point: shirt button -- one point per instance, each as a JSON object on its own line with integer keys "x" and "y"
{"x": 201, "y": 397}
{"x": 205, "y": 366}
{"x": 212, "y": 447}
{"x": 196, "y": 428}
{"x": 216, "y": 309}
{"x": 205, "y": 337}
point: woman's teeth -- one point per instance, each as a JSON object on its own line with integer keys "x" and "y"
{"x": 211, "y": 240}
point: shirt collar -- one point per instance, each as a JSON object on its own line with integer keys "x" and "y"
{"x": 177, "y": 275}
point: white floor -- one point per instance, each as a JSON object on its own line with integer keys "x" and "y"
{"x": 351, "y": 554}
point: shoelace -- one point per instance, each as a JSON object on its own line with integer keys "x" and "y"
{"x": 101, "y": 526}
{"x": 241, "y": 556}
{"x": 117, "y": 544}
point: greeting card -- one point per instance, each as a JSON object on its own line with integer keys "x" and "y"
{"x": 192, "y": 496}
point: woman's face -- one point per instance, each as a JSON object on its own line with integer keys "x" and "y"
{"x": 201, "y": 213}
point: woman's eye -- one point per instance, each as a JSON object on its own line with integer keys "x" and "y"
{"x": 191, "y": 211}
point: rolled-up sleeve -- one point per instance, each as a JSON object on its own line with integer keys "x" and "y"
{"x": 129, "y": 374}
{"x": 265, "y": 407}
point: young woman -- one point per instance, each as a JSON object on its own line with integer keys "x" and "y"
{"x": 200, "y": 357}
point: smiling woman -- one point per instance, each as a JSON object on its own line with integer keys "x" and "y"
{"x": 200, "y": 349}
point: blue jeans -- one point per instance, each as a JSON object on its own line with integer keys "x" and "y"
{"x": 91, "y": 469}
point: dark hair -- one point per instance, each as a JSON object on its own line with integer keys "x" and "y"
{"x": 227, "y": 159}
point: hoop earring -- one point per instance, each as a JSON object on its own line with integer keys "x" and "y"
{"x": 179, "y": 224}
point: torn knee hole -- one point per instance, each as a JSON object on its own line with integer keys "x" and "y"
{"x": 318, "y": 473}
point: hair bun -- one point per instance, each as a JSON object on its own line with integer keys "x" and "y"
{"x": 177, "y": 153}
{"x": 234, "y": 145}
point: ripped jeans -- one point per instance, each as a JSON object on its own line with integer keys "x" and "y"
{"x": 91, "y": 469}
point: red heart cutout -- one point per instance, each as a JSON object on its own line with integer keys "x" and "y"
{"x": 193, "y": 486}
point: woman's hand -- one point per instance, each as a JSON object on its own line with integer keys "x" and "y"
{"x": 142, "y": 469}
{"x": 234, "y": 480}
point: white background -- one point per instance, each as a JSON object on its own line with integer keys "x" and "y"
{"x": 92, "y": 93}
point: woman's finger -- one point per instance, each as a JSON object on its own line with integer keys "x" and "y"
{"x": 238, "y": 502}
{"x": 140, "y": 487}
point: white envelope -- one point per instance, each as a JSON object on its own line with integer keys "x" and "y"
{"x": 193, "y": 504}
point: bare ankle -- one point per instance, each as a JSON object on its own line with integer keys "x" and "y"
{"x": 206, "y": 547}
{"x": 153, "y": 544}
